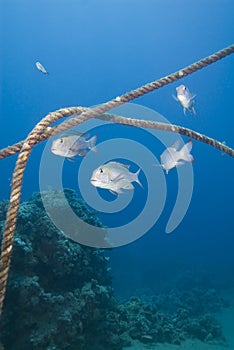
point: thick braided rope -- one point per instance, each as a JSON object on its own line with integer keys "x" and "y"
{"x": 32, "y": 139}
{"x": 123, "y": 121}
{"x": 94, "y": 112}
{"x": 16, "y": 185}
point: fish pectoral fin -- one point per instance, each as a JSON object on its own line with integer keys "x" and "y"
{"x": 193, "y": 97}
{"x": 194, "y": 112}
{"x": 117, "y": 178}
{"x": 175, "y": 98}
{"x": 72, "y": 149}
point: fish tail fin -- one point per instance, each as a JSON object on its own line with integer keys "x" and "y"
{"x": 185, "y": 152}
{"x": 92, "y": 143}
{"x": 136, "y": 177}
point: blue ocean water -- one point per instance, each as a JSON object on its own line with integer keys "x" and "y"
{"x": 97, "y": 50}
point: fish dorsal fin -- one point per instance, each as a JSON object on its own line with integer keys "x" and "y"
{"x": 74, "y": 133}
{"x": 118, "y": 163}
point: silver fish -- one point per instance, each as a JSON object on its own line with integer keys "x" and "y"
{"x": 173, "y": 157}
{"x": 41, "y": 68}
{"x": 73, "y": 144}
{"x": 115, "y": 177}
{"x": 186, "y": 99}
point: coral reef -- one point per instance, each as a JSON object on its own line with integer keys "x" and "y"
{"x": 60, "y": 295}
{"x": 196, "y": 301}
{"x": 148, "y": 324}
{"x": 59, "y": 292}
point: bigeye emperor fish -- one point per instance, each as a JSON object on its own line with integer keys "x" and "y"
{"x": 173, "y": 156}
{"x": 41, "y": 68}
{"x": 115, "y": 177}
{"x": 72, "y": 144}
{"x": 186, "y": 99}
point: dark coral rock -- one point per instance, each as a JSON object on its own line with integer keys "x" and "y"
{"x": 3, "y": 209}
{"x": 147, "y": 325}
{"x": 196, "y": 301}
{"x": 205, "y": 328}
{"x": 174, "y": 316}
{"x": 59, "y": 293}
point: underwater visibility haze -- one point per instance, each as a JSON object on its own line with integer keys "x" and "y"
{"x": 125, "y": 235}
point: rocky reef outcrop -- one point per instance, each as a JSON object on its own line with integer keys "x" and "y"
{"x": 59, "y": 293}
{"x": 60, "y": 296}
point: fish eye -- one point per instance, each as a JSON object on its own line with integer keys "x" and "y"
{"x": 101, "y": 171}
{"x": 61, "y": 140}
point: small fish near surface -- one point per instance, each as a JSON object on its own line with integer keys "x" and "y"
{"x": 173, "y": 157}
{"x": 41, "y": 68}
{"x": 115, "y": 177}
{"x": 73, "y": 144}
{"x": 186, "y": 99}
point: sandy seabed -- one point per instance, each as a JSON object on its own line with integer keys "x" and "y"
{"x": 226, "y": 318}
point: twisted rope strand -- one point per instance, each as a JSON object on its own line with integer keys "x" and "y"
{"x": 171, "y": 128}
{"x": 45, "y": 134}
{"x": 36, "y": 133}
{"x": 123, "y": 121}
{"x": 16, "y": 185}
{"x": 94, "y": 112}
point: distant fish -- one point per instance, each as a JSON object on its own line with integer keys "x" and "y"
{"x": 186, "y": 99}
{"x": 173, "y": 157}
{"x": 73, "y": 144}
{"x": 41, "y": 68}
{"x": 115, "y": 177}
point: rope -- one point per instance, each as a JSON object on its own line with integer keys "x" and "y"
{"x": 66, "y": 112}
{"x": 123, "y": 121}
{"x": 94, "y": 112}
{"x": 42, "y": 126}
{"x": 16, "y": 185}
